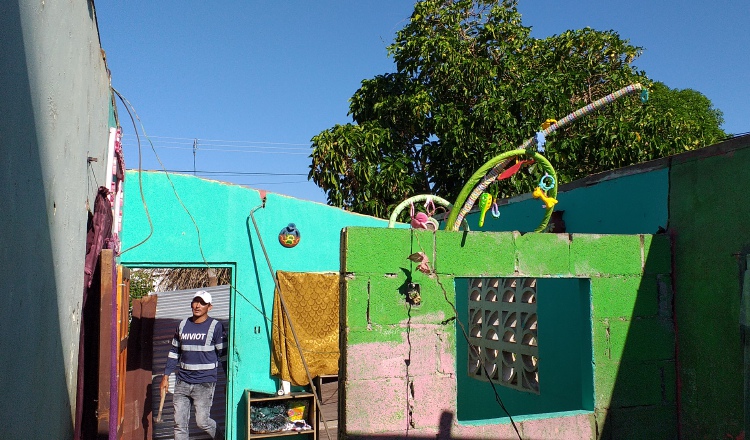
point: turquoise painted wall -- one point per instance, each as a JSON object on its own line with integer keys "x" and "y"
{"x": 566, "y": 374}
{"x": 228, "y": 238}
{"x": 401, "y": 361}
{"x": 625, "y": 204}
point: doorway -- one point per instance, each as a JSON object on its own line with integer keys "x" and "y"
{"x": 155, "y": 316}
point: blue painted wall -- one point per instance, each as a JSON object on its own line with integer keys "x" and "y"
{"x": 228, "y": 238}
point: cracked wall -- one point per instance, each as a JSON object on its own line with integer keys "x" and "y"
{"x": 400, "y": 376}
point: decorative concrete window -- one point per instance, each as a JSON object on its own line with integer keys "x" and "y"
{"x": 503, "y": 332}
{"x": 534, "y": 338}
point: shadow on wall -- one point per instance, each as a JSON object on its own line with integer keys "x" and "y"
{"x": 31, "y": 307}
{"x": 636, "y": 381}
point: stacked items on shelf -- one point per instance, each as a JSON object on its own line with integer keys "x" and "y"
{"x": 272, "y": 416}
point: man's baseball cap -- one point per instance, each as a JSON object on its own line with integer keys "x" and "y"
{"x": 202, "y": 294}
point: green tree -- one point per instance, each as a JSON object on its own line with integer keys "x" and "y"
{"x": 471, "y": 83}
{"x": 141, "y": 283}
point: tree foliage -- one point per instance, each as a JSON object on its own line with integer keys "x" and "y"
{"x": 145, "y": 281}
{"x": 141, "y": 283}
{"x": 471, "y": 83}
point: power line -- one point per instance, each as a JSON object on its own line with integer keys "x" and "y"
{"x": 209, "y": 144}
{"x": 205, "y": 144}
{"x": 224, "y": 140}
{"x": 271, "y": 183}
{"x": 234, "y": 173}
{"x": 228, "y": 150}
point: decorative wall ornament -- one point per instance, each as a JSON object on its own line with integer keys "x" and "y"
{"x": 289, "y": 236}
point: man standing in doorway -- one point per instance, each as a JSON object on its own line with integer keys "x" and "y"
{"x": 199, "y": 344}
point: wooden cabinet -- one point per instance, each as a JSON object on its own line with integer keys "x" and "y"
{"x": 257, "y": 399}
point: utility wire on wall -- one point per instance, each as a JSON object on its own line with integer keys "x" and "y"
{"x": 133, "y": 117}
{"x": 128, "y": 106}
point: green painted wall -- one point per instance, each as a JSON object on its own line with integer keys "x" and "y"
{"x": 407, "y": 355}
{"x": 709, "y": 222}
{"x": 54, "y": 113}
{"x": 625, "y": 203}
{"x": 702, "y": 196}
{"x": 227, "y": 236}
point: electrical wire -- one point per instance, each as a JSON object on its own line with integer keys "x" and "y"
{"x": 126, "y": 103}
{"x": 174, "y": 189}
{"x": 235, "y": 173}
{"x": 224, "y": 150}
{"x": 223, "y": 140}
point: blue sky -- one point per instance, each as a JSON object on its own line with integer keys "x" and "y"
{"x": 253, "y": 81}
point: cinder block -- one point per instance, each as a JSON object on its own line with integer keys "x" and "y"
{"x": 669, "y": 379}
{"x": 378, "y": 334}
{"x": 601, "y": 340}
{"x": 605, "y": 376}
{"x": 475, "y": 253}
{"x": 665, "y": 295}
{"x": 387, "y": 305}
{"x": 356, "y": 302}
{"x": 376, "y": 250}
{"x": 657, "y": 254}
{"x": 597, "y": 255}
{"x": 627, "y": 384}
{"x": 543, "y": 254}
{"x": 656, "y": 422}
{"x": 375, "y": 406}
{"x": 625, "y": 296}
{"x": 640, "y": 339}
{"x": 375, "y": 360}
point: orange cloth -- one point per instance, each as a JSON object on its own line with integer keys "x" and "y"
{"x": 312, "y": 302}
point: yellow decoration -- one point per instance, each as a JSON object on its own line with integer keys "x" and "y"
{"x": 485, "y": 202}
{"x": 549, "y": 202}
{"x": 546, "y": 124}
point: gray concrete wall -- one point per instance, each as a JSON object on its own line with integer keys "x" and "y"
{"x": 54, "y": 113}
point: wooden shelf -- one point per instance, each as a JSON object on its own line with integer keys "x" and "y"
{"x": 310, "y": 419}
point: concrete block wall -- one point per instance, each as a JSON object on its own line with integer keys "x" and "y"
{"x": 709, "y": 225}
{"x": 399, "y": 374}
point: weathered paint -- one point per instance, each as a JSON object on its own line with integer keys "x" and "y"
{"x": 709, "y": 222}
{"x": 400, "y": 355}
{"x": 228, "y": 238}
{"x": 699, "y": 197}
{"x": 625, "y": 202}
{"x": 54, "y": 113}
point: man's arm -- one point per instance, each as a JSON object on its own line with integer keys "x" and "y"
{"x": 220, "y": 344}
{"x": 172, "y": 359}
